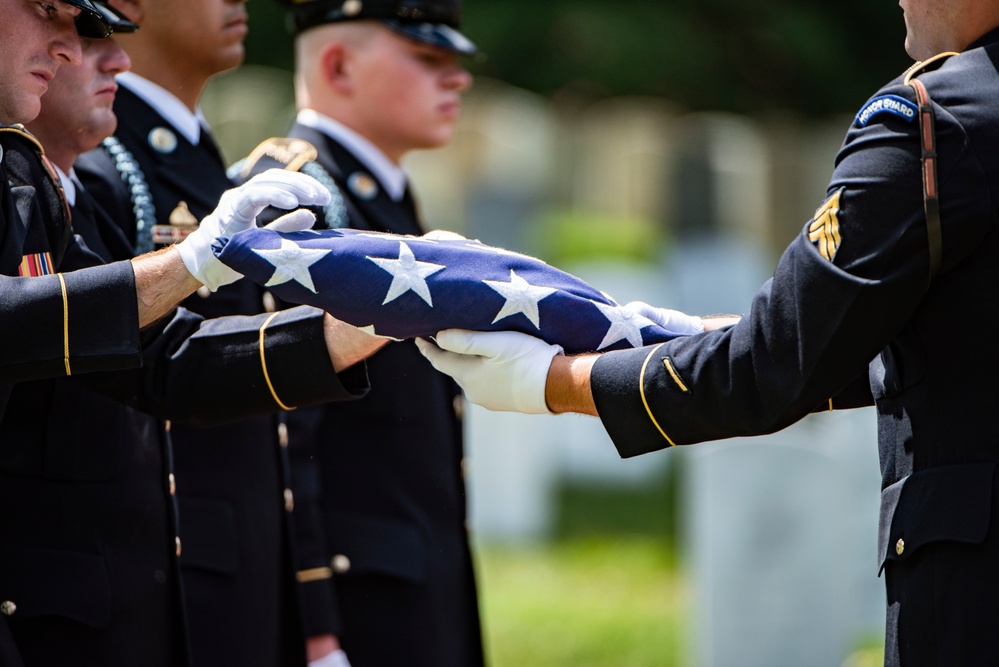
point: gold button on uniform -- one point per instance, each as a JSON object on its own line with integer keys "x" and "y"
{"x": 176, "y": 541}
{"x": 341, "y": 564}
{"x": 268, "y": 302}
{"x": 7, "y": 608}
{"x": 282, "y": 430}
{"x": 173, "y": 484}
{"x": 289, "y": 500}
{"x": 900, "y": 546}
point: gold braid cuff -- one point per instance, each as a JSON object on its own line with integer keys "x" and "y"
{"x": 65, "y": 324}
{"x": 645, "y": 402}
{"x": 263, "y": 364}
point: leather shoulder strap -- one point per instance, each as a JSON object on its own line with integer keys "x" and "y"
{"x": 928, "y": 143}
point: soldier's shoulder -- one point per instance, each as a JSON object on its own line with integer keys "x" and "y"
{"x": 274, "y": 153}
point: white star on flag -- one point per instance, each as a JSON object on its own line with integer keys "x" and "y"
{"x": 521, "y": 297}
{"x": 292, "y": 262}
{"x": 407, "y": 274}
{"x": 625, "y": 325}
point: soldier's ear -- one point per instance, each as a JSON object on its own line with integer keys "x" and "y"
{"x": 334, "y": 60}
{"x": 132, "y": 9}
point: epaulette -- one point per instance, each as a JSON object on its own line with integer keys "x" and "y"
{"x": 928, "y": 145}
{"x": 21, "y": 132}
{"x": 922, "y": 66}
{"x": 54, "y": 197}
{"x": 292, "y": 153}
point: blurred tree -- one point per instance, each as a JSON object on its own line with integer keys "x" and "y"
{"x": 727, "y": 55}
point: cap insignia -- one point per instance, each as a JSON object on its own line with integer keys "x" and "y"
{"x": 352, "y": 7}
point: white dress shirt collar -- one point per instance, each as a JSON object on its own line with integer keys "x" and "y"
{"x": 392, "y": 177}
{"x": 166, "y": 104}
{"x": 68, "y": 184}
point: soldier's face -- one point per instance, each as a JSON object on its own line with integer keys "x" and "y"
{"x": 76, "y": 112}
{"x": 203, "y": 35}
{"x": 408, "y": 93}
{"x": 36, "y": 37}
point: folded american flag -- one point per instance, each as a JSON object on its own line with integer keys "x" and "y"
{"x": 414, "y": 286}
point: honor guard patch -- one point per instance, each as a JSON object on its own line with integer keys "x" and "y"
{"x": 823, "y": 231}
{"x": 182, "y": 223}
{"x": 163, "y": 140}
{"x": 363, "y": 185}
{"x": 893, "y": 104}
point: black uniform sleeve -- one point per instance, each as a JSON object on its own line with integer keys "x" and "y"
{"x": 212, "y": 371}
{"x": 68, "y": 324}
{"x": 844, "y": 288}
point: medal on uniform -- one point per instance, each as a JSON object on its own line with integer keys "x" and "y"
{"x": 163, "y": 140}
{"x": 363, "y": 185}
{"x": 182, "y": 223}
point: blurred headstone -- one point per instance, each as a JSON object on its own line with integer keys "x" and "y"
{"x": 781, "y": 535}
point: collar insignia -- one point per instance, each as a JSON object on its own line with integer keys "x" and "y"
{"x": 163, "y": 140}
{"x": 363, "y": 185}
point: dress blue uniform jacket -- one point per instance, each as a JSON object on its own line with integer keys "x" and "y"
{"x": 34, "y": 327}
{"x": 88, "y": 523}
{"x": 384, "y": 478}
{"x": 233, "y": 481}
{"x": 853, "y": 295}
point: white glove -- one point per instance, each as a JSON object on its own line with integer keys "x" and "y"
{"x": 673, "y": 321}
{"x": 335, "y": 659}
{"x": 499, "y": 370}
{"x": 237, "y": 211}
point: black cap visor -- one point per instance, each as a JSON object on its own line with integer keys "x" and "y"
{"x": 118, "y": 21}
{"x": 90, "y": 22}
{"x": 434, "y": 34}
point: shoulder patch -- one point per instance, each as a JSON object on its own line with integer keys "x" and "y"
{"x": 292, "y": 153}
{"x": 893, "y": 104}
{"x": 823, "y": 230}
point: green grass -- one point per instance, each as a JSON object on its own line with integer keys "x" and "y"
{"x": 584, "y": 602}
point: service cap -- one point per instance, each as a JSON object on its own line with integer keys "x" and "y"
{"x": 433, "y": 22}
{"x": 115, "y": 19}
{"x": 90, "y": 22}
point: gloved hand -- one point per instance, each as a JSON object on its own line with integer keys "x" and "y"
{"x": 335, "y": 659}
{"x": 499, "y": 370}
{"x": 672, "y": 320}
{"x": 237, "y": 211}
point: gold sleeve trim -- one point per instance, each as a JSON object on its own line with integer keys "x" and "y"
{"x": 315, "y": 574}
{"x": 263, "y": 364}
{"x": 65, "y": 324}
{"x": 668, "y": 363}
{"x": 830, "y": 405}
{"x": 641, "y": 389}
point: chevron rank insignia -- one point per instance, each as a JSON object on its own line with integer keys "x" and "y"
{"x": 823, "y": 230}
